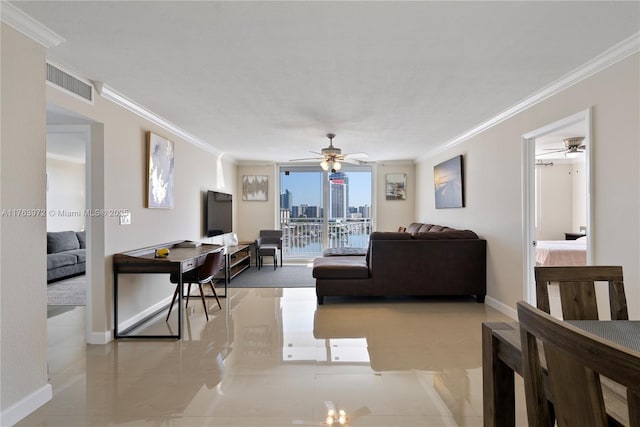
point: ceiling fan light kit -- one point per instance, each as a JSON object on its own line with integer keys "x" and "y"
{"x": 332, "y": 157}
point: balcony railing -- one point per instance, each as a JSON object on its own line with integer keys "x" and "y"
{"x": 304, "y": 237}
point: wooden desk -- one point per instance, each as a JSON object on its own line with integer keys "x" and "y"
{"x": 502, "y": 356}
{"x": 143, "y": 261}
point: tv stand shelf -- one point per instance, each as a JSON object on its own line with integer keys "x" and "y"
{"x": 238, "y": 260}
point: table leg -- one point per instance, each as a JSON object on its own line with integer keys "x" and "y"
{"x": 115, "y": 303}
{"x": 180, "y": 296}
{"x": 497, "y": 381}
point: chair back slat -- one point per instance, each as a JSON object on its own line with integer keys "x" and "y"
{"x": 578, "y": 300}
{"x": 573, "y": 387}
{"x": 577, "y": 290}
{"x": 575, "y": 359}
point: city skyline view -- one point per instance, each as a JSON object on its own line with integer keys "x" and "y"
{"x": 306, "y": 187}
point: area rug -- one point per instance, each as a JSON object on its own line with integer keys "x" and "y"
{"x": 72, "y": 291}
{"x": 288, "y": 276}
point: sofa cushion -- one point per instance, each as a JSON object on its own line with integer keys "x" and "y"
{"x": 82, "y": 239}
{"x": 340, "y": 267}
{"x": 446, "y": 234}
{"x": 81, "y": 254}
{"x": 60, "y": 260}
{"x": 59, "y": 241}
{"x": 424, "y": 228}
{"x": 344, "y": 252}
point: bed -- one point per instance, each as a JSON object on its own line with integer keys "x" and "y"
{"x": 561, "y": 252}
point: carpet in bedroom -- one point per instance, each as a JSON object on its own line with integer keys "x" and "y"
{"x": 72, "y": 291}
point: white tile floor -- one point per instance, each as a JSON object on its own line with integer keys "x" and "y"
{"x": 272, "y": 357}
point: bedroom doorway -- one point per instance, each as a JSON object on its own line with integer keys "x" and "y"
{"x": 557, "y": 189}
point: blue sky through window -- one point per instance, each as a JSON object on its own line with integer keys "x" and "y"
{"x": 306, "y": 188}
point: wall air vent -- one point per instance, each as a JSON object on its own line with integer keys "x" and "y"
{"x": 69, "y": 83}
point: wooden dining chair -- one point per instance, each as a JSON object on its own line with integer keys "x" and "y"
{"x": 575, "y": 359}
{"x": 577, "y": 290}
{"x": 201, "y": 275}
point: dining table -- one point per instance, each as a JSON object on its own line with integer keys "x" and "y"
{"x": 502, "y": 357}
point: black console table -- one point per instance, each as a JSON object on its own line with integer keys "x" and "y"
{"x": 179, "y": 260}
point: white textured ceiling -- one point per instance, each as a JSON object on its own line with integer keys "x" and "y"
{"x": 267, "y": 80}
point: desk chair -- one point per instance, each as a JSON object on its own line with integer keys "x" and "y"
{"x": 269, "y": 244}
{"x": 577, "y": 290}
{"x": 575, "y": 360}
{"x": 201, "y": 275}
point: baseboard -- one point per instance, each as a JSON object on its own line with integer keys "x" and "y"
{"x": 150, "y": 311}
{"x": 26, "y": 406}
{"x": 502, "y": 308}
{"x": 99, "y": 338}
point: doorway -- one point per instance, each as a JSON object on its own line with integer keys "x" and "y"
{"x": 320, "y": 210}
{"x": 60, "y": 122}
{"x": 557, "y": 226}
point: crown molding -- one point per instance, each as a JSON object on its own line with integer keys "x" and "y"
{"x": 17, "y": 19}
{"x": 112, "y": 95}
{"x": 615, "y": 54}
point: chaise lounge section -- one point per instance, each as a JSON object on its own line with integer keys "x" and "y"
{"x": 426, "y": 260}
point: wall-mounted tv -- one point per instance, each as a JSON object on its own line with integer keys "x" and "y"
{"x": 219, "y": 213}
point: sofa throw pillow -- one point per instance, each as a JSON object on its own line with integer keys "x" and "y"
{"x": 58, "y": 241}
{"x": 413, "y": 227}
{"x": 82, "y": 239}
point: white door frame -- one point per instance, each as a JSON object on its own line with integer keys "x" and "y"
{"x": 528, "y": 194}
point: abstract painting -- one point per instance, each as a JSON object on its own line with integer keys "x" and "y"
{"x": 396, "y": 186}
{"x": 160, "y": 172}
{"x": 255, "y": 187}
{"x": 448, "y": 180}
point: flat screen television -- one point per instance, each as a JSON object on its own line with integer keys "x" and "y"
{"x": 219, "y": 214}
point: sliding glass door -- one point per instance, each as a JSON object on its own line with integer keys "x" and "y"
{"x": 321, "y": 209}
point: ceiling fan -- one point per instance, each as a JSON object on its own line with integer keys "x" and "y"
{"x": 332, "y": 157}
{"x": 572, "y": 147}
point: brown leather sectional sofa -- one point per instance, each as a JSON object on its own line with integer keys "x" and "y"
{"x": 426, "y": 260}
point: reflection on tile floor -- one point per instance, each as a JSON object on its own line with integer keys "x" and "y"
{"x": 272, "y": 357}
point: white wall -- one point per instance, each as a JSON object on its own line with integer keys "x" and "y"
{"x": 66, "y": 186}
{"x": 493, "y": 179}
{"x": 254, "y": 216}
{"x": 391, "y": 214}
{"x": 555, "y": 201}
{"x": 579, "y": 196}
{"x": 23, "y": 269}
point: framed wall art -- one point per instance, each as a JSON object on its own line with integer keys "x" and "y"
{"x": 396, "y": 186}
{"x": 449, "y": 180}
{"x": 255, "y": 187}
{"x": 160, "y": 171}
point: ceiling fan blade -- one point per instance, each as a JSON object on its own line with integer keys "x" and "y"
{"x": 352, "y": 161}
{"x": 307, "y": 158}
{"x": 361, "y": 155}
{"x": 551, "y": 152}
